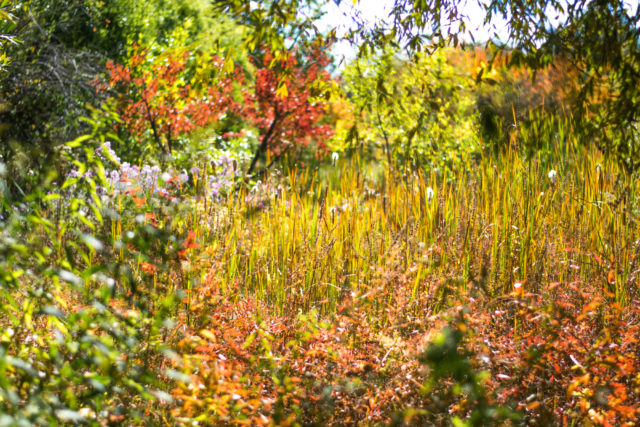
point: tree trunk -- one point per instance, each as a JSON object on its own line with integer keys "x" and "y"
{"x": 154, "y": 127}
{"x": 264, "y": 144}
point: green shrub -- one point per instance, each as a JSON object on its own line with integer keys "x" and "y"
{"x": 82, "y": 328}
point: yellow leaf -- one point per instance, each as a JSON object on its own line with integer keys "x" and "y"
{"x": 282, "y": 91}
{"x": 208, "y": 335}
{"x": 228, "y": 62}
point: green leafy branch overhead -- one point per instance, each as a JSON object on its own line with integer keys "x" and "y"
{"x": 600, "y": 38}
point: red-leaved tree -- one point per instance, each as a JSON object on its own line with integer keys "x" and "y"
{"x": 282, "y": 105}
{"x": 157, "y": 95}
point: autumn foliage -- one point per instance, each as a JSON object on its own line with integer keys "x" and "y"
{"x": 160, "y": 96}
{"x": 419, "y": 278}
{"x": 283, "y": 105}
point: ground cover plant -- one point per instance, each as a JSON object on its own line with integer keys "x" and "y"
{"x": 233, "y": 232}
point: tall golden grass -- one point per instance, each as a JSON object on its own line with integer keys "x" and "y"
{"x": 566, "y": 214}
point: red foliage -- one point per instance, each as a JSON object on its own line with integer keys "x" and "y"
{"x": 250, "y": 366}
{"x": 158, "y": 97}
{"x": 282, "y": 105}
{"x": 155, "y": 96}
{"x": 573, "y": 358}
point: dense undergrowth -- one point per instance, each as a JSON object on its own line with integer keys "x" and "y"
{"x": 244, "y": 236}
{"x": 535, "y": 260}
{"x": 504, "y": 292}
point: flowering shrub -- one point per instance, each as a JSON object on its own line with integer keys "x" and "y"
{"x": 144, "y": 185}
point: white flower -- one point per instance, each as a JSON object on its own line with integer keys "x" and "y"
{"x": 552, "y": 175}
{"x": 334, "y": 157}
{"x": 86, "y": 412}
{"x": 429, "y": 194}
{"x": 166, "y": 177}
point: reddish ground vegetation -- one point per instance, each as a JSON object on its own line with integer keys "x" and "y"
{"x": 558, "y": 359}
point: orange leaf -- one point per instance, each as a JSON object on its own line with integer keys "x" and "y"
{"x": 533, "y": 405}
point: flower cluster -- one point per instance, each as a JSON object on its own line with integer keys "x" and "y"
{"x": 150, "y": 179}
{"x": 223, "y": 176}
{"x": 222, "y": 180}
{"x": 131, "y": 180}
{"x": 150, "y": 185}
